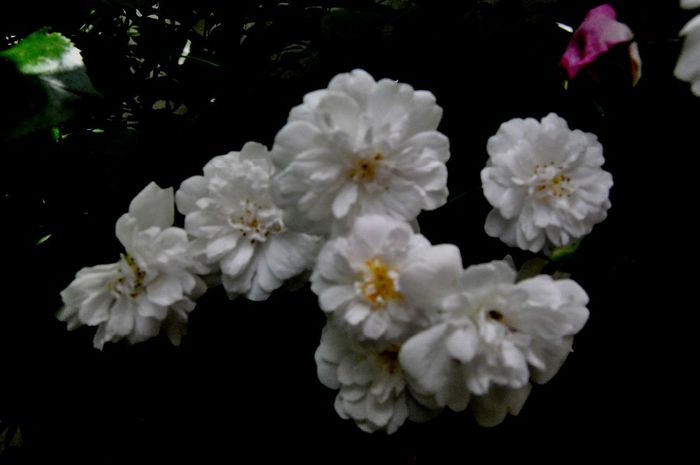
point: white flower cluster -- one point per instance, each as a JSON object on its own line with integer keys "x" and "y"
{"x": 408, "y": 326}
{"x": 409, "y": 330}
{"x": 233, "y": 231}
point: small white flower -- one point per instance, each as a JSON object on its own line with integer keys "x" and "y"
{"x": 688, "y": 66}
{"x": 237, "y": 227}
{"x": 493, "y": 333}
{"x": 545, "y": 183}
{"x": 372, "y": 387}
{"x": 358, "y": 147}
{"x": 150, "y": 287}
{"x": 357, "y": 278}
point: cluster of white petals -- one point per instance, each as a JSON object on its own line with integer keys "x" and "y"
{"x": 545, "y": 182}
{"x": 495, "y": 335}
{"x": 372, "y": 388}
{"x": 153, "y": 285}
{"x": 359, "y": 147}
{"x": 237, "y": 228}
{"x": 688, "y": 66}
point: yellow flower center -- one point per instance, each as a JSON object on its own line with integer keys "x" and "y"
{"x": 379, "y": 286}
{"x": 552, "y": 181}
{"x": 365, "y": 169}
{"x": 132, "y": 286}
{"x": 256, "y": 222}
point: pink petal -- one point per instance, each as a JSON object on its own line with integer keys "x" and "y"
{"x": 596, "y": 35}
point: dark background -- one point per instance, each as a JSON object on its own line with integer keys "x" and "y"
{"x": 242, "y": 386}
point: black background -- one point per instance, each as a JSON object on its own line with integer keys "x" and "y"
{"x": 242, "y": 386}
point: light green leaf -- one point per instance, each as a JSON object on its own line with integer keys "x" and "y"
{"x": 564, "y": 251}
{"x": 44, "y": 53}
{"x": 44, "y": 239}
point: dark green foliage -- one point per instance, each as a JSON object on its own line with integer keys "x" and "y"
{"x": 47, "y": 83}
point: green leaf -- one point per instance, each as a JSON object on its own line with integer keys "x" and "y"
{"x": 43, "y": 239}
{"x": 10, "y": 436}
{"x": 44, "y": 53}
{"x": 564, "y": 251}
{"x": 531, "y": 268}
{"x": 561, "y": 275}
{"x": 45, "y": 83}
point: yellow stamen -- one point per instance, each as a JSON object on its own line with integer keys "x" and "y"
{"x": 365, "y": 169}
{"x": 379, "y": 286}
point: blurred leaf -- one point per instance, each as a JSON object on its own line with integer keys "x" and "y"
{"x": 564, "y": 251}
{"x": 204, "y": 61}
{"x": 44, "y": 239}
{"x": 561, "y": 275}
{"x": 44, "y": 87}
{"x": 531, "y": 268}
{"x": 397, "y": 4}
{"x": 46, "y": 101}
{"x": 43, "y": 53}
{"x": 10, "y": 436}
{"x": 565, "y": 27}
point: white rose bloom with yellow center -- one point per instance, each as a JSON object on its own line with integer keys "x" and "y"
{"x": 372, "y": 387}
{"x": 238, "y": 229}
{"x": 358, "y": 147}
{"x": 494, "y": 335}
{"x": 153, "y": 285}
{"x": 545, "y": 183}
{"x": 357, "y": 278}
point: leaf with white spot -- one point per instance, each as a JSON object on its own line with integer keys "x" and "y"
{"x": 46, "y": 86}
{"x": 44, "y": 53}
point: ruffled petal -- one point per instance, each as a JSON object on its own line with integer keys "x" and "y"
{"x": 165, "y": 290}
{"x": 153, "y": 206}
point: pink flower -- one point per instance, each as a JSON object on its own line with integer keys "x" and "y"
{"x": 599, "y": 32}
